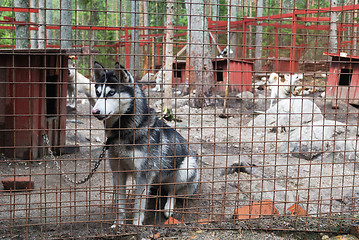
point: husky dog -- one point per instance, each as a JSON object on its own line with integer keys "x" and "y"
{"x": 224, "y": 53}
{"x": 282, "y": 87}
{"x": 141, "y": 144}
{"x": 79, "y": 83}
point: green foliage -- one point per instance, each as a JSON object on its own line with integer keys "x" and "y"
{"x": 109, "y": 13}
{"x": 7, "y": 36}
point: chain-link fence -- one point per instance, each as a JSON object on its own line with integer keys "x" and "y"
{"x": 159, "y": 119}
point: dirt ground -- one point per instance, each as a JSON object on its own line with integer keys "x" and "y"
{"x": 60, "y": 210}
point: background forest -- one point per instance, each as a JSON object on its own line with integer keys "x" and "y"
{"x": 107, "y": 25}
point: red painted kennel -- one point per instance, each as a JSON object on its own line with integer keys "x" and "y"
{"x": 343, "y": 78}
{"x": 33, "y": 101}
{"x": 240, "y": 74}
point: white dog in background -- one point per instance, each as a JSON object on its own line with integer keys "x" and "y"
{"x": 79, "y": 83}
{"x": 159, "y": 77}
{"x": 150, "y": 78}
{"x": 282, "y": 87}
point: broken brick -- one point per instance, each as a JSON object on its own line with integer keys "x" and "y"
{"x": 257, "y": 209}
{"x": 297, "y": 210}
{"x": 171, "y": 221}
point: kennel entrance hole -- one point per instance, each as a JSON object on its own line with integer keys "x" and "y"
{"x": 345, "y": 77}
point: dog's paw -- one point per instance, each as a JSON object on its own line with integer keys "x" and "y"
{"x": 117, "y": 224}
{"x": 136, "y": 222}
{"x": 168, "y": 213}
{"x": 170, "y": 204}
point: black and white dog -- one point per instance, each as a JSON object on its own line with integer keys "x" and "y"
{"x": 141, "y": 144}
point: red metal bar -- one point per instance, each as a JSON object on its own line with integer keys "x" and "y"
{"x": 16, "y": 9}
{"x": 13, "y": 27}
{"x": 279, "y": 25}
{"x": 223, "y": 24}
{"x": 314, "y": 19}
{"x": 105, "y": 28}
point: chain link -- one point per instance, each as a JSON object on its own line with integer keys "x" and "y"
{"x": 67, "y": 178}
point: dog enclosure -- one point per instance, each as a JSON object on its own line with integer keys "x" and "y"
{"x": 204, "y": 67}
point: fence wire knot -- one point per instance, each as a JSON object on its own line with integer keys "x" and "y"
{"x": 67, "y": 178}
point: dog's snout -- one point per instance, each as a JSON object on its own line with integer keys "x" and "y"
{"x": 95, "y": 111}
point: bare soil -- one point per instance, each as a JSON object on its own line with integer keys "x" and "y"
{"x": 57, "y": 209}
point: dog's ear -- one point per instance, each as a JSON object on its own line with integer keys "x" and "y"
{"x": 98, "y": 71}
{"x": 122, "y": 74}
{"x": 287, "y": 77}
{"x": 117, "y": 71}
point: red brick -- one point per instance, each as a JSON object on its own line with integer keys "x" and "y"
{"x": 18, "y": 183}
{"x": 171, "y": 221}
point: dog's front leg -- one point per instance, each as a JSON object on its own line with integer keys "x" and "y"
{"x": 142, "y": 192}
{"x": 71, "y": 93}
{"x": 273, "y": 95}
{"x": 119, "y": 183}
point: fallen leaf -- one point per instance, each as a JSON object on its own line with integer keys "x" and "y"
{"x": 156, "y": 235}
{"x": 343, "y": 237}
{"x": 204, "y": 221}
{"x": 192, "y": 237}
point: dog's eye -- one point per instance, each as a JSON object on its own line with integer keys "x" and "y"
{"x": 111, "y": 93}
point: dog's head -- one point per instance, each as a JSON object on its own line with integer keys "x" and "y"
{"x": 114, "y": 91}
{"x": 273, "y": 77}
{"x": 292, "y": 79}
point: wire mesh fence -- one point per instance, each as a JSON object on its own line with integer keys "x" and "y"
{"x": 147, "y": 118}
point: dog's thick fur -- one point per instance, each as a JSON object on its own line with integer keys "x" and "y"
{"x": 281, "y": 87}
{"x": 79, "y": 83}
{"x": 141, "y": 144}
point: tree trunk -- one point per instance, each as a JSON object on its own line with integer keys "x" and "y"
{"x": 333, "y": 33}
{"x": 167, "y": 70}
{"x": 198, "y": 51}
{"x": 22, "y": 31}
{"x": 214, "y": 10}
{"x": 250, "y": 32}
{"x": 33, "y": 19}
{"x": 49, "y": 21}
{"x": 146, "y": 24}
{"x": 233, "y": 40}
{"x": 134, "y": 58}
{"x": 355, "y": 29}
{"x": 66, "y": 24}
{"x": 259, "y": 39}
{"x": 41, "y": 33}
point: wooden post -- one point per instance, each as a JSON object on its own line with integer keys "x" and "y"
{"x": 244, "y": 35}
{"x": 153, "y": 55}
{"x": 127, "y": 48}
{"x": 276, "y": 46}
{"x": 293, "y": 44}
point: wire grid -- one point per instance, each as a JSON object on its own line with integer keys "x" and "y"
{"x": 266, "y": 161}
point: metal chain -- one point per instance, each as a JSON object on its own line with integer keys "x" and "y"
{"x": 67, "y": 178}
